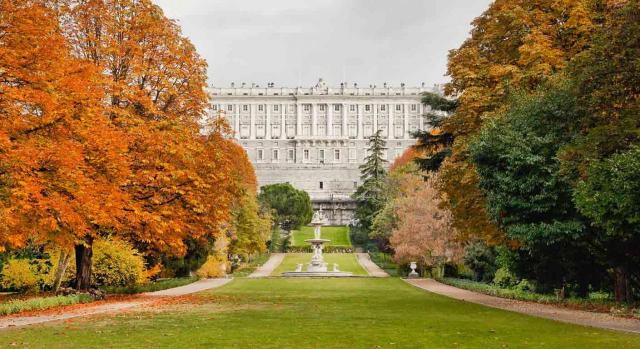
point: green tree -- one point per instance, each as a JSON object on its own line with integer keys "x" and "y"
{"x": 526, "y": 195}
{"x": 370, "y": 195}
{"x": 610, "y": 197}
{"x": 291, "y": 207}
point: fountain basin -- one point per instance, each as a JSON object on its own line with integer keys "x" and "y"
{"x": 316, "y": 241}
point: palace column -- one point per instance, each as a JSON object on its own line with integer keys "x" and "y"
{"x": 329, "y": 126}
{"x": 345, "y": 132}
{"x": 314, "y": 119}
{"x": 283, "y": 128}
{"x": 267, "y": 132}
{"x": 236, "y": 120}
{"x": 252, "y": 123}
{"x": 298, "y": 119}
{"x": 375, "y": 117}
{"x": 360, "y": 130}
{"x": 421, "y": 115}
{"x": 390, "y": 126}
{"x": 405, "y": 113}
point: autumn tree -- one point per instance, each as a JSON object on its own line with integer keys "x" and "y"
{"x": 61, "y": 157}
{"x": 424, "y": 232}
{"x": 154, "y": 83}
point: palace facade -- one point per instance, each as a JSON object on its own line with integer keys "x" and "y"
{"x": 316, "y": 138}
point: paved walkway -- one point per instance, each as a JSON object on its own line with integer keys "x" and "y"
{"x": 557, "y": 313}
{"x": 105, "y": 307}
{"x": 370, "y": 267}
{"x": 268, "y": 268}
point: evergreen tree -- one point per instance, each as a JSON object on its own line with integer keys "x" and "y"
{"x": 369, "y": 195}
{"x": 435, "y": 143}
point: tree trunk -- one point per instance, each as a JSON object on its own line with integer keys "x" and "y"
{"x": 84, "y": 252}
{"x": 622, "y": 289}
{"x": 63, "y": 263}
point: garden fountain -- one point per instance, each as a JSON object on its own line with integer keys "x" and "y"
{"x": 317, "y": 266}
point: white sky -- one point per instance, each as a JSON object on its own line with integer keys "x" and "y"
{"x": 294, "y": 42}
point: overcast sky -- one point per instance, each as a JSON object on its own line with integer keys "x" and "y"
{"x": 294, "y": 42}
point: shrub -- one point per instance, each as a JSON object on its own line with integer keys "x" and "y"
{"x": 526, "y": 286}
{"x": 481, "y": 259}
{"x": 504, "y": 278}
{"x": 215, "y": 266}
{"x": 20, "y": 275}
{"x": 116, "y": 263}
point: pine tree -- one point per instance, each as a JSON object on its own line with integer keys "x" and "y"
{"x": 369, "y": 195}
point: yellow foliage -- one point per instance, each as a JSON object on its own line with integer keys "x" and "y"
{"x": 21, "y": 275}
{"x": 214, "y": 267}
{"x": 116, "y": 263}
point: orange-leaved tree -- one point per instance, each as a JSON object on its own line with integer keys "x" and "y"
{"x": 424, "y": 232}
{"x": 61, "y": 158}
{"x": 155, "y": 93}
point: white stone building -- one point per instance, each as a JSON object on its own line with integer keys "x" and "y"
{"x": 315, "y": 138}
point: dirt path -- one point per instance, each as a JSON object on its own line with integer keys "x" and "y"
{"x": 268, "y": 268}
{"x": 371, "y": 268}
{"x": 557, "y": 313}
{"x": 105, "y": 307}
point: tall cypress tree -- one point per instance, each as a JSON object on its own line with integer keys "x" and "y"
{"x": 369, "y": 195}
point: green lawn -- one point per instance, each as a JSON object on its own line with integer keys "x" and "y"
{"x": 346, "y": 262}
{"x": 316, "y": 313}
{"x": 339, "y": 236}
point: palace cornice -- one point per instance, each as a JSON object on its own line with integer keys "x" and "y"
{"x": 316, "y": 99}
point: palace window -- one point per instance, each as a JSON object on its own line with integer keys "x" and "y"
{"x": 336, "y": 155}
{"x": 230, "y": 107}
{"x": 383, "y": 107}
{"x": 353, "y": 154}
{"x": 307, "y": 107}
{"x": 305, "y": 154}
{"x": 276, "y": 155}
{"x": 352, "y": 107}
{"x": 245, "y": 107}
{"x": 276, "y": 107}
{"x": 260, "y": 107}
{"x": 214, "y": 107}
{"x": 367, "y": 107}
{"x": 321, "y": 185}
{"x": 291, "y": 154}
{"x": 260, "y": 154}
{"x": 321, "y": 156}
{"x": 322, "y": 107}
{"x": 398, "y": 107}
{"x": 414, "y": 107}
{"x": 336, "y": 107}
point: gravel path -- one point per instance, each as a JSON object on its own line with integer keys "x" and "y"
{"x": 268, "y": 268}
{"x": 145, "y": 299}
{"x": 557, "y": 313}
{"x": 370, "y": 267}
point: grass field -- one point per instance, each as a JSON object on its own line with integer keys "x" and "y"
{"x": 316, "y": 313}
{"x": 346, "y": 262}
{"x": 339, "y": 236}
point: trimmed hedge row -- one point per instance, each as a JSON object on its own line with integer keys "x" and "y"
{"x": 326, "y": 249}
